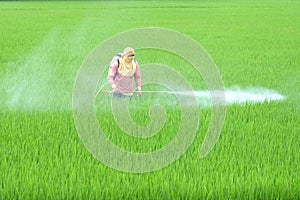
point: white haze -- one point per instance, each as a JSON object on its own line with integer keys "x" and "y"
{"x": 236, "y": 95}
{"x": 44, "y": 79}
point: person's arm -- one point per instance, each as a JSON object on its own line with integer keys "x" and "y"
{"x": 111, "y": 74}
{"x": 137, "y": 77}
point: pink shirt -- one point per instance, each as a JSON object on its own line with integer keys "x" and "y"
{"x": 124, "y": 84}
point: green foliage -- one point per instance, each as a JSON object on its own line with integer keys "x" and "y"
{"x": 42, "y": 46}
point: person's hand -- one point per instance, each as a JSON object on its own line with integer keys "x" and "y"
{"x": 113, "y": 87}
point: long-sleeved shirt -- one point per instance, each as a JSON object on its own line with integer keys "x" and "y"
{"x": 124, "y": 84}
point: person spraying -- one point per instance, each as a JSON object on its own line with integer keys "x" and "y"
{"x": 122, "y": 72}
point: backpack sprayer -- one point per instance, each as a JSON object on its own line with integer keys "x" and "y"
{"x": 116, "y": 59}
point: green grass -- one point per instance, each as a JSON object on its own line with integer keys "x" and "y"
{"x": 43, "y": 44}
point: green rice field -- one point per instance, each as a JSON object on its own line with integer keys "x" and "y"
{"x": 255, "y": 46}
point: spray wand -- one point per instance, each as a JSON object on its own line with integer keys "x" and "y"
{"x": 149, "y": 91}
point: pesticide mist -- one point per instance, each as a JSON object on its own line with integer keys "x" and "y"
{"x": 240, "y": 96}
{"x": 233, "y": 95}
{"x": 42, "y": 80}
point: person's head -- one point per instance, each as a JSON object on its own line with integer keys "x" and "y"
{"x": 128, "y": 54}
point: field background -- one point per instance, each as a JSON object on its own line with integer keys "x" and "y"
{"x": 253, "y": 44}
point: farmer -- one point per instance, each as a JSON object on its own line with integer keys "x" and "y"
{"x": 121, "y": 74}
